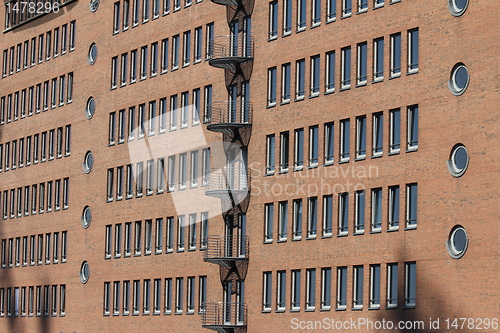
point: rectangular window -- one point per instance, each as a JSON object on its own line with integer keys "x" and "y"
{"x": 413, "y": 51}
{"x": 285, "y": 83}
{"x": 110, "y": 185}
{"x": 208, "y": 102}
{"x": 343, "y": 213}
{"x": 194, "y": 168}
{"x": 282, "y": 220}
{"x": 106, "y": 301}
{"x": 301, "y": 15}
{"x": 123, "y": 72}
{"x": 346, "y": 8}
{"x": 396, "y": 55}
{"x": 144, "y": 62}
{"x": 181, "y": 227}
{"x": 171, "y": 173}
{"x": 186, "y": 54}
{"x": 361, "y": 137}
{"x": 192, "y": 231}
{"x": 284, "y": 150}
{"x": 393, "y": 207}
{"x": 159, "y": 236}
{"x": 114, "y": 72}
{"x": 196, "y": 106}
{"x": 185, "y": 109}
{"x": 131, "y": 123}
{"x": 312, "y": 217}
{"x": 108, "y": 241}
{"x": 271, "y": 86}
{"x": 139, "y": 179}
{"x": 70, "y": 88}
{"x": 150, "y": 172}
{"x": 410, "y": 284}
{"x": 268, "y": 222}
{"x": 413, "y": 127}
{"x": 156, "y": 296}
{"x": 133, "y": 66}
{"x": 190, "y": 294}
{"x": 173, "y": 112}
{"x": 121, "y": 126}
{"x": 145, "y": 11}
{"x": 345, "y": 134}
{"x": 311, "y": 289}
{"x": 315, "y": 74}
{"x": 316, "y": 13}
{"x": 163, "y": 114}
{"x": 61, "y": 91}
{"x": 374, "y": 286}
{"x": 161, "y": 175}
{"x": 142, "y": 120}
{"x": 130, "y": 181}
{"x": 362, "y": 6}
{"x": 362, "y": 63}
{"x": 168, "y": 295}
{"x": 118, "y": 240}
{"x": 329, "y": 130}
{"x": 295, "y": 295}
{"x": 327, "y": 215}
{"x": 170, "y": 234}
{"x": 182, "y": 170}
{"x": 164, "y": 55}
{"x": 392, "y": 285}
{"x": 395, "y": 131}
{"x": 126, "y": 14}
{"x": 287, "y": 17}
{"x": 326, "y": 288}
{"x": 411, "y": 205}
{"x": 64, "y": 39}
{"x": 116, "y": 17}
{"x": 148, "y": 236}
{"x": 267, "y": 291}
{"x": 270, "y": 152}
{"x": 299, "y": 149}
{"x": 138, "y": 237}
{"x": 281, "y": 291}
{"x": 64, "y": 245}
{"x": 156, "y": 9}
{"x": 198, "y": 44}
{"x": 178, "y": 295}
{"x": 40, "y": 53}
{"x": 135, "y": 12}
{"x": 346, "y": 67}
{"x": 358, "y": 287}
{"x": 300, "y": 79}
{"x": 146, "y": 305}
{"x": 116, "y": 297}
{"x": 175, "y": 52}
{"x": 136, "y": 296}
{"x": 376, "y": 209}
{"x": 273, "y": 20}
{"x": 378, "y": 134}
{"x": 127, "y": 238}
{"x": 330, "y": 72}
{"x": 210, "y": 36}
{"x": 359, "y": 218}
{"x": 378, "y": 59}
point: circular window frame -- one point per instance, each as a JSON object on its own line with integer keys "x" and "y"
{"x": 92, "y": 59}
{"x": 454, "y": 171}
{"x": 454, "y": 10}
{"x": 86, "y": 221}
{"x": 455, "y": 90}
{"x": 89, "y": 113}
{"x": 452, "y": 251}
{"x": 84, "y": 272}
{"x": 85, "y": 165}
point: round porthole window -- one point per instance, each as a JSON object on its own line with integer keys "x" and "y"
{"x": 457, "y": 242}
{"x": 459, "y": 79}
{"x": 90, "y": 108}
{"x": 459, "y": 160}
{"x": 88, "y": 162}
{"x": 86, "y": 217}
{"x": 84, "y": 272}
{"x": 94, "y": 4}
{"x": 458, "y": 7}
{"x": 92, "y": 56}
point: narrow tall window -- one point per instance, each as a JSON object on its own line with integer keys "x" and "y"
{"x": 271, "y": 90}
{"x": 392, "y": 285}
{"x": 283, "y": 220}
{"x": 413, "y": 127}
{"x": 186, "y": 54}
{"x": 299, "y": 149}
{"x": 374, "y": 286}
{"x": 148, "y": 236}
{"x": 346, "y": 68}
{"x": 411, "y": 205}
{"x": 205, "y": 166}
{"x": 287, "y": 17}
{"x": 194, "y": 168}
{"x": 376, "y": 209}
{"x": 126, "y": 14}
{"x": 170, "y": 234}
{"x": 300, "y": 79}
{"x": 359, "y": 219}
{"x": 315, "y": 74}
{"x": 345, "y": 133}
{"x": 396, "y": 55}
{"x": 285, "y": 83}
{"x": 144, "y": 62}
{"x": 326, "y": 288}
{"x": 316, "y": 13}
{"x": 108, "y": 241}
{"x": 198, "y": 44}
{"x": 182, "y": 170}
{"x": 378, "y": 59}
{"x": 301, "y": 14}
{"x": 114, "y": 72}
{"x": 295, "y": 290}
{"x": 190, "y": 294}
{"x": 362, "y": 63}
{"x": 270, "y": 152}
{"x": 393, "y": 207}
{"x": 330, "y": 71}
{"x": 312, "y": 217}
{"x": 133, "y": 66}
{"x": 112, "y": 128}
{"x": 311, "y": 289}
{"x": 118, "y": 240}
{"x": 181, "y": 227}
{"x": 346, "y": 8}
{"x": 343, "y": 213}
{"x": 267, "y": 291}
{"x": 168, "y": 295}
{"x": 175, "y": 52}
{"x": 145, "y": 11}
{"x": 410, "y": 284}
{"x": 127, "y": 238}
{"x": 358, "y": 286}
{"x": 281, "y": 291}
{"x": 138, "y": 237}
{"x": 395, "y": 131}
{"x": 146, "y": 297}
{"x": 178, "y": 295}
{"x": 116, "y": 17}
{"x": 192, "y": 231}
{"x": 297, "y": 219}
{"x": 378, "y": 134}
{"x": 204, "y": 230}
{"x": 159, "y": 235}
{"x": 210, "y": 36}
{"x": 327, "y": 215}
{"x": 273, "y": 20}
{"x": 116, "y": 297}
{"x": 413, "y": 51}
{"x": 361, "y": 137}
{"x": 136, "y": 296}
{"x": 107, "y": 295}
{"x": 268, "y": 222}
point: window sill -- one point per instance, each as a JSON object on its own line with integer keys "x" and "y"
{"x": 311, "y": 237}
{"x": 344, "y": 161}
{"x": 346, "y": 16}
{"x": 395, "y": 76}
{"x": 272, "y": 38}
{"x": 342, "y": 235}
{"x": 361, "y": 84}
{"x": 377, "y": 156}
{"x": 411, "y": 228}
{"x": 345, "y": 88}
{"x": 324, "y": 309}
{"x": 296, "y": 239}
{"x": 282, "y": 171}
{"x": 340, "y": 309}
{"x": 283, "y": 240}
{"x": 295, "y": 310}
{"x": 326, "y": 236}
{"x": 378, "y": 6}
{"x": 374, "y": 308}
{"x": 328, "y": 92}
{"x": 270, "y": 105}
{"x": 391, "y": 307}
{"x": 285, "y": 102}
{"x": 270, "y": 241}
{"x": 301, "y": 29}
{"x": 310, "y": 310}
{"x": 280, "y": 311}
{"x": 314, "y": 95}
{"x": 415, "y": 71}
{"x": 313, "y": 166}
{"x": 328, "y": 163}
{"x": 378, "y": 231}
{"x": 266, "y": 311}
{"x": 357, "y": 233}
{"x": 357, "y": 309}
{"x": 285, "y": 34}
{"x": 410, "y": 150}
{"x": 364, "y": 10}
{"x": 360, "y": 158}
{"x": 396, "y": 152}
{"x": 392, "y": 229}
{"x": 298, "y": 168}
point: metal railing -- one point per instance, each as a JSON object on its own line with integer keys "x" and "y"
{"x": 223, "y": 314}
{"x": 233, "y": 46}
{"x": 229, "y": 112}
{"x": 228, "y": 179}
{"x": 231, "y": 247}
